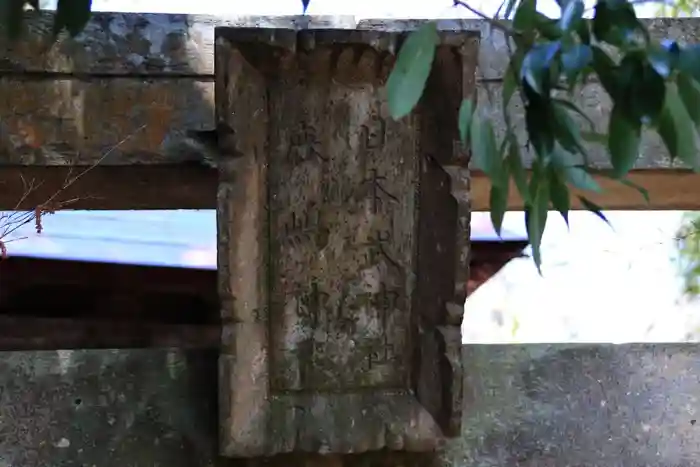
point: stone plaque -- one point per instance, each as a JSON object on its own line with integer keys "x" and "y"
{"x": 341, "y": 247}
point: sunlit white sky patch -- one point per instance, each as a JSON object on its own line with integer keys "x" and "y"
{"x": 359, "y": 8}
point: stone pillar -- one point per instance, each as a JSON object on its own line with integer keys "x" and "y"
{"x": 343, "y": 244}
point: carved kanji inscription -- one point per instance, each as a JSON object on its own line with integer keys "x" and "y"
{"x": 341, "y": 242}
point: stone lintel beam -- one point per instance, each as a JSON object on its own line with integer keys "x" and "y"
{"x": 133, "y": 80}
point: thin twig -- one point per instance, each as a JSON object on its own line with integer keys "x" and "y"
{"x": 99, "y": 161}
{"x": 493, "y": 22}
{"x": 9, "y": 223}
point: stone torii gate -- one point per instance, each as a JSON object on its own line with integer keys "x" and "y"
{"x": 343, "y": 235}
{"x": 144, "y": 77}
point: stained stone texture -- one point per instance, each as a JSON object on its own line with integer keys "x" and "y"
{"x": 144, "y": 78}
{"x": 118, "y": 90}
{"x": 526, "y": 405}
{"x": 581, "y": 405}
{"x": 107, "y": 408}
{"x": 341, "y": 243}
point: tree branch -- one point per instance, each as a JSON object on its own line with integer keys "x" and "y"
{"x": 10, "y": 222}
{"x": 493, "y": 22}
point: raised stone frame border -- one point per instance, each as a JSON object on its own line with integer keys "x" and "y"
{"x": 254, "y": 420}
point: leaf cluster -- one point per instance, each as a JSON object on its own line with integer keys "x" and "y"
{"x": 652, "y": 85}
{"x": 70, "y": 16}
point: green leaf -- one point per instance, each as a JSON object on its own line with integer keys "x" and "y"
{"x": 466, "y": 111}
{"x": 642, "y": 191}
{"x": 673, "y": 49}
{"x": 603, "y": 24}
{"x": 689, "y": 90}
{"x": 524, "y": 18}
{"x": 689, "y": 61}
{"x": 606, "y": 69}
{"x": 547, "y": 27}
{"x": 676, "y": 128}
{"x": 575, "y": 59}
{"x": 641, "y": 88}
{"x": 499, "y": 193}
{"x": 516, "y": 169}
{"x": 485, "y": 154}
{"x": 510, "y": 78}
{"x": 553, "y": 77}
{"x": 509, "y": 8}
{"x": 624, "y": 137}
{"x": 576, "y": 109}
{"x": 594, "y": 137}
{"x": 509, "y": 87}
{"x": 407, "y": 80}
{"x": 651, "y": 85}
{"x": 615, "y": 23}
{"x": 581, "y": 179}
{"x": 584, "y": 31}
{"x": 567, "y": 131}
{"x": 536, "y": 63}
{"x": 12, "y": 15}
{"x": 574, "y": 175}
{"x": 571, "y": 15}
{"x": 499, "y": 205}
{"x": 538, "y": 117}
{"x": 662, "y": 60}
{"x": 536, "y": 213}
{"x": 593, "y": 208}
{"x": 559, "y": 194}
{"x": 71, "y": 15}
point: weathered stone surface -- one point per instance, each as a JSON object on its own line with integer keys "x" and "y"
{"x": 120, "y": 44}
{"x": 139, "y": 408}
{"x": 526, "y": 405}
{"x": 338, "y": 236}
{"x": 143, "y": 78}
{"x": 171, "y": 58}
{"x": 115, "y": 121}
{"x": 177, "y": 44}
{"x": 569, "y": 405}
